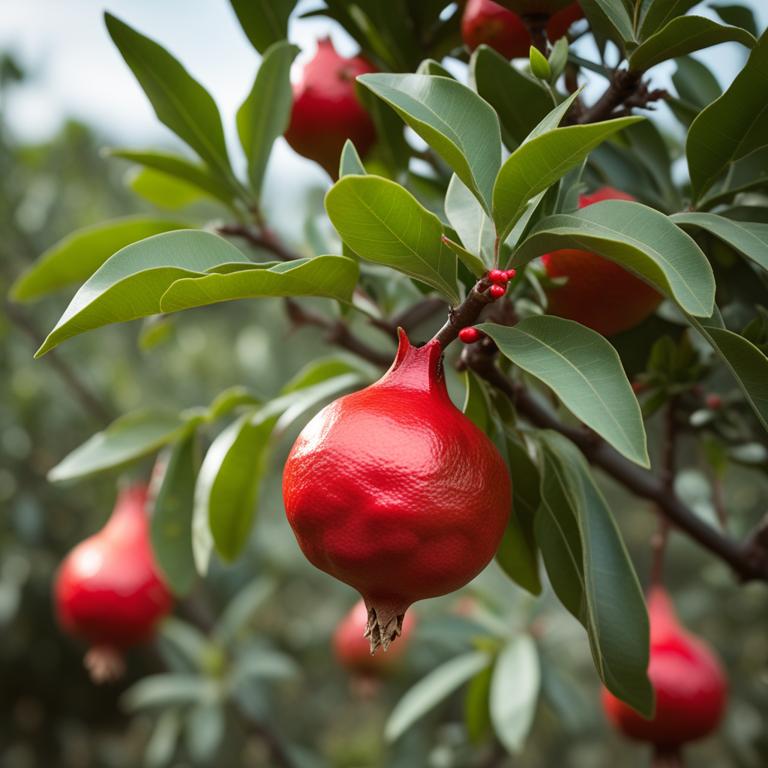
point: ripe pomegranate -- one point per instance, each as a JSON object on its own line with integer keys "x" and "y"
{"x": 486, "y": 22}
{"x": 690, "y": 685}
{"x": 353, "y": 651}
{"x": 108, "y": 590}
{"x": 395, "y": 492}
{"x": 326, "y": 111}
{"x": 599, "y": 293}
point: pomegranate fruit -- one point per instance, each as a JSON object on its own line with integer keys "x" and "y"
{"x": 486, "y": 22}
{"x": 326, "y": 110}
{"x": 599, "y": 293}
{"x": 353, "y": 651}
{"x": 395, "y": 492}
{"x": 108, "y": 590}
{"x": 690, "y": 685}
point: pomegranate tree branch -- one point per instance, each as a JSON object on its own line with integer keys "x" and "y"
{"x": 536, "y": 23}
{"x": 748, "y": 559}
{"x": 279, "y": 756}
{"x": 667, "y": 479}
{"x": 626, "y": 90}
{"x": 466, "y": 314}
{"x": 262, "y": 238}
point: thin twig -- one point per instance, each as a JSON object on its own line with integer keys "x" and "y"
{"x": 278, "y": 753}
{"x": 667, "y": 479}
{"x": 536, "y": 24}
{"x": 263, "y": 238}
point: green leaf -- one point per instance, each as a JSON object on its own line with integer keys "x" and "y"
{"x": 350, "y": 163}
{"x": 432, "y": 689}
{"x": 515, "y": 692}
{"x": 79, "y": 255}
{"x": 241, "y": 609}
{"x": 637, "y": 238}
{"x": 584, "y": 371}
{"x": 325, "y": 368}
{"x": 171, "y": 522}
{"x": 161, "y": 190}
{"x": 169, "y": 689}
{"x": 204, "y": 731}
{"x": 612, "y": 14}
{"x": 334, "y": 277}
{"x": 384, "y": 223}
{"x": 695, "y": 82}
{"x": 179, "y": 101}
{"x": 264, "y": 21}
{"x": 657, "y": 13}
{"x": 738, "y": 15}
{"x": 591, "y": 571}
{"x": 474, "y": 228}
{"x": 131, "y": 283}
{"x": 265, "y": 113}
{"x": 540, "y": 162}
{"x": 127, "y": 439}
{"x": 477, "y": 714}
{"x": 747, "y": 237}
{"x": 194, "y": 174}
{"x": 518, "y": 553}
{"x": 520, "y": 101}
{"x": 682, "y": 35}
{"x": 461, "y": 127}
{"x": 539, "y": 64}
{"x": 731, "y": 127}
{"x": 227, "y": 487}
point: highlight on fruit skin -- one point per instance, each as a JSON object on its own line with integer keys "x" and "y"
{"x": 326, "y": 109}
{"x": 394, "y": 491}
{"x": 352, "y": 648}
{"x": 485, "y": 22}
{"x": 689, "y": 681}
{"x": 108, "y": 590}
{"x": 598, "y": 293}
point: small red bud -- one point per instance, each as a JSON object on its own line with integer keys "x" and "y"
{"x": 511, "y": 273}
{"x": 714, "y": 402}
{"x": 498, "y": 276}
{"x": 469, "y": 335}
{"x": 497, "y": 291}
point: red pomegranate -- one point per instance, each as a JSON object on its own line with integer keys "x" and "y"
{"x": 599, "y": 293}
{"x": 108, "y": 589}
{"x": 690, "y": 685}
{"x": 395, "y": 492}
{"x": 486, "y": 22}
{"x": 353, "y": 650}
{"x": 326, "y": 111}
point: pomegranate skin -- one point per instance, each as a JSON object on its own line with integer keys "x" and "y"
{"x": 395, "y": 492}
{"x": 353, "y": 651}
{"x": 690, "y": 685}
{"x": 108, "y": 590}
{"x": 486, "y": 22}
{"x": 326, "y": 110}
{"x": 599, "y": 293}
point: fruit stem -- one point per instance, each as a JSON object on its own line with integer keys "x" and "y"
{"x": 466, "y": 313}
{"x": 536, "y": 24}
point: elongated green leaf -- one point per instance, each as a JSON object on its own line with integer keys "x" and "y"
{"x": 513, "y": 703}
{"x": 613, "y": 15}
{"x": 731, "y": 127}
{"x": 163, "y": 191}
{"x": 169, "y": 689}
{"x": 748, "y": 237}
{"x": 658, "y": 13}
{"x": 682, "y": 35}
{"x": 477, "y": 715}
{"x": 520, "y": 101}
{"x": 266, "y": 111}
{"x": 738, "y": 15}
{"x": 591, "y": 572}
{"x": 384, "y": 223}
{"x": 350, "y": 163}
{"x": 264, "y": 21}
{"x": 472, "y": 225}
{"x": 540, "y": 162}
{"x": 432, "y": 689}
{"x": 585, "y": 372}
{"x": 130, "y": 437}
{"x": 461, "y": 127}
{"x": 80, "y": 254}
{"x": 130, "y": 283}
{"x": 192, "y": 173}
{"x": 638, "y": 238}
{"x": 171, "y": 522}
{"x": 179, "y": 101}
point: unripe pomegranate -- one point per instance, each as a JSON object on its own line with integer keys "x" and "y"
{"x": 353, "y": 650}
{"x": 486, "y": 22}
{"x": 108, "y": 590}
{"x": 690, "y": 685}
{"x": 395, "y": 492}
{"x": 326, "y": 110}
{"x": 599, "y": 293}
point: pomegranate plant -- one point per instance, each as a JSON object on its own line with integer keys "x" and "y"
{"x": 472, "y": 198}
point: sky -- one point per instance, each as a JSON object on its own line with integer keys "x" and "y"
{"x": 75, "y": 71}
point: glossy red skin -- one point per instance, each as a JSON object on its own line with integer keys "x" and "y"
{"x": 353, "y": 650}
{"x": 108, "y": 590}
{"x": 599, "y": 293}
{"x": 326, "y": 110}
{"x": 690, "y": 685}
{"x": 394, "y": 491}
{"x": 486, "y": 22}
